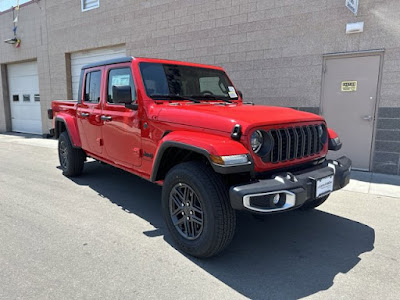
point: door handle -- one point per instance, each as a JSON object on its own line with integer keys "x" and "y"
{"x": 106, "y": 118}
{"x": 367, "y": 118}
{"x": 84, "y": 115}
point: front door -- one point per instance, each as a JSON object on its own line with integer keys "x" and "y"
{"x": 89, "y": 112}
{"x": 348, "y": 104}
{"x": 121, "y": 127}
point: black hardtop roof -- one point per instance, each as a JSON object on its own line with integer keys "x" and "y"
{"x": 108, "y": 62}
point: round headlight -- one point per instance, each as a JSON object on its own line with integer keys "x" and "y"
{"x": 256, "y": 141}
{"x": 320, "y": 130}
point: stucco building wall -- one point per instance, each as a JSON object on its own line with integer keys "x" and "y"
{"x": 272, "y": 50}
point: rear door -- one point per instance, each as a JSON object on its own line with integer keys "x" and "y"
{"x": 121, "y": 126}
{"x": 348, "y": 104}
{"x": 89, "y": 111}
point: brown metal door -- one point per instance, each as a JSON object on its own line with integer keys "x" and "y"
{"x": 348, "y": 104}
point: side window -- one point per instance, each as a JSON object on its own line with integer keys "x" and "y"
{"x": 92, "y": 87}
{"x": 120, "y": 77}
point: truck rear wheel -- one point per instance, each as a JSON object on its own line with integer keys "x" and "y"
{"x": 196, "y": 209}
{"x": 71, "y": 159}
{"x": 314, "y": 203}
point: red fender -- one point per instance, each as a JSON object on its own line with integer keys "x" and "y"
{"x": 200, "y": 142}
{"x": 213, "y": 144}
{"x": 71, "y": 126}
{"x": 332, "y": 134}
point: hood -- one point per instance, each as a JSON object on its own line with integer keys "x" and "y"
{"x": 224, "y": 117}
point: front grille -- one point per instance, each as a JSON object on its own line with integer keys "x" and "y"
{"x": 293, "y": 143}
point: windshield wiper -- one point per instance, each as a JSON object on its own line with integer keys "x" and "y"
{"x": 212, "y": 97}
{"x": 173, "y": 97}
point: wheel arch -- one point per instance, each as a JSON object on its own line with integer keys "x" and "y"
{"x": 65, "y": 123}
{"x": 182, "y": 146}
{"x": 171, "y": 153}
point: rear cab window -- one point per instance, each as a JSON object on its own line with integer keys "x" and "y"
{"x": 92, "y": 87}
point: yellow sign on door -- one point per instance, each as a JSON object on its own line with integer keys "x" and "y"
{"x": 349, "y": 86}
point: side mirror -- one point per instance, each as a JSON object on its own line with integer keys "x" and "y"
{"x": 240, "y": 94}
{"x": 123, "y": 95}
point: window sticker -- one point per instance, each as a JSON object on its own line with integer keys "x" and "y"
{"x": 232, "y": 92}
{"x": 121, "y": 80}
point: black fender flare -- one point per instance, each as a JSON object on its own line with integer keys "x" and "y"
{"x": 217, "y": 168}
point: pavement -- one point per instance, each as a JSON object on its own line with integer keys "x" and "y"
{"x": 101, "y": 236}
{"x": 374, "y": 184}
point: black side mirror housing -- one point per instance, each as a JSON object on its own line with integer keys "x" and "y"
{"x": 240, "y": 94}
{"x": 123, "y": 95}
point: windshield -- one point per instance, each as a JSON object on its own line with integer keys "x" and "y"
{"x": 165, "y": 81}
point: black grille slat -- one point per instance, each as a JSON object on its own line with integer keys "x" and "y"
{"x": 285, "y": 147}
{"x": 315, "y": 139}
{"x": 303, "y": 142}
{"x": 308, "y": 141}
{"x": 312, "y": 139}
{"x": 279, "y": 145}
{"x": 293, "y": 146}
{"x": 320, "y": 145}
{"x": 294, "y": 143}
{"x": 275, "y": 148}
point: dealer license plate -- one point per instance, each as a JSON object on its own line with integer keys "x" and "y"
{"x": 324, "y": 186}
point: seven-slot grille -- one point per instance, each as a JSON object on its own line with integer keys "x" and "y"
{"x": 294, "y": 143}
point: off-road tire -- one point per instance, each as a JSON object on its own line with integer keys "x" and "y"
{"x": 314, "y": 203}
{"x": 219, "y": 219}
{"x": 71, "y": 159}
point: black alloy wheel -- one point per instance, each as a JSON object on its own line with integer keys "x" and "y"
{"x": 186, "y": 211}
{"x": 196, "y": 209}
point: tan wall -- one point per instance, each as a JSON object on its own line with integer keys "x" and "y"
{"x": 32, "y": 30}
{"x": 271, "y": 49}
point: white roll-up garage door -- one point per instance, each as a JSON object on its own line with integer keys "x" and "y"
{"x": 79, "y": 59}
{"x": 23, "y": 84}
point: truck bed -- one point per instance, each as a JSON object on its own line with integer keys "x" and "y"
{"x": 66, "y": 106}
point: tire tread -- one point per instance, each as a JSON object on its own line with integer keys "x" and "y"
{"x": 225, "y": 215}
{"x": 76, "y": 157}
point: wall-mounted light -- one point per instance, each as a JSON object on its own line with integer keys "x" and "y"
{"x": 12, "y": 41}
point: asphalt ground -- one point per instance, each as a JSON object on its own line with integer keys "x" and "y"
{"x": 101, "y": 236}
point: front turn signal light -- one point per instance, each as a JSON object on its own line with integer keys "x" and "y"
{"x": 230, "y": 160}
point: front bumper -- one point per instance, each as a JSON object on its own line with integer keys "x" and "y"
{"x": 293, "y": 189}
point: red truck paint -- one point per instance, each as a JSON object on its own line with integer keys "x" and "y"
{"x": 142, "y": 139}
{"x": 134, "y": 133}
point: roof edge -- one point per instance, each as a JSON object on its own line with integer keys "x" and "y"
{"x": 108, "y": 62}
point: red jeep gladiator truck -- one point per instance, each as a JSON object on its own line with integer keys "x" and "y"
{"x": 184, "y": 126}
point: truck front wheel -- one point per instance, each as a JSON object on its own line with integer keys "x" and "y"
{"x": 196, "y": 209}
{"x": 71, "y": 159}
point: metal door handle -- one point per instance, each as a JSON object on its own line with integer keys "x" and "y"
{"x": 106, "y": 118}
{"x": 84, "y": 114}
{"x": 367, "y": 118}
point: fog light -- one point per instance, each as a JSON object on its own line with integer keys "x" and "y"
{"x": 276, "y": 199}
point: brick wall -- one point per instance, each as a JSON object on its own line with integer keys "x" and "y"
{"x": 271, "y": 49}
{"x": 387, "y": 145}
